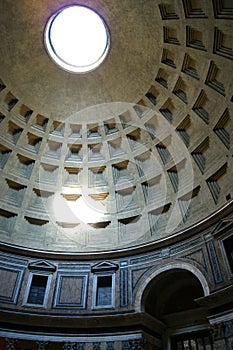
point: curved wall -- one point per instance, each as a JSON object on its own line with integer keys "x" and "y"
{"x": 74, "y": 302}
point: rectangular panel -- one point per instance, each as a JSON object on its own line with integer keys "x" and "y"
{"x": 214, "y": 262}
{"x": 71, "y": 291}
{"x": 10, "y": 282}
{"x": 124, "y": 287}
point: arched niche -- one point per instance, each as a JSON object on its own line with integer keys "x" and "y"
{"x": 170, "y": 296}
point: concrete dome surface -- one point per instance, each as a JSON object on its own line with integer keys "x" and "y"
{"x": 131, "y": 154}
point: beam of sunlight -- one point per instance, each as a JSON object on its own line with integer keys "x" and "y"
{"x": 84, "y": 209}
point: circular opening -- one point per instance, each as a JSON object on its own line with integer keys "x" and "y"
{"x": 77, "y": 39}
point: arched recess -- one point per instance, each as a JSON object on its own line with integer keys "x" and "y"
{"x": 155, "y": 277}
{"x": 168, "y": 294}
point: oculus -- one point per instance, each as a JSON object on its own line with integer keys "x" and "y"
{"x": 77, "y": 39}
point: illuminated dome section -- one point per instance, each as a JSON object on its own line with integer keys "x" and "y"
{"x": 127, "y": 157}
{"x": 77, "y": 39}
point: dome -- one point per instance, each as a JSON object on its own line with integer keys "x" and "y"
{"x": 133, "y": 153}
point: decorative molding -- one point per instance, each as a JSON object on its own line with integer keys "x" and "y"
{"x": 162, "y": 77}
{"x": 168, "y": 58}
{"x": 222, "y": 330}
{"x": 100, "y": 224}
{"x": 124, "y": 287}
{"x": 223, "y": 227}
{"x": 194, "y": 39}
{"x": 199, "y": 105}
{"x": 42, "y": 345}
{"x": 199, "y": 154}
{"x": 152, "y": 95}
{"x": 96, "y": 346}
{"x": 191, "y": 10}
{"x": 223, "y": 9}
{"x": 136, "y": 276}
{"x": 167, "y": 12}
{"x": 146, "y": 259}
{"x": 170, "y": 35}
{"x": 220, "y": 47}
{"x": 213, "y": 184}
{"x": 221, "y": 131}
{"x": 180, "y": 90}
{"x": 135, "y": 344}
{"x": 163, "y": 152}
{"x": 214, "y": 262}
{"x": 80, "y": 346}
{"x": 185, "y": 203}
{"x": 71, "y": 196}
{"x": 104, "y": 266}
{"x": 197, "y": 257}
{"x": 42, "y": 265}
{"x": 189, "y": 67}
{"x": 211, "y": 79}
{"x": 167, "y": 110}
{"x": 10, "y": 344}
{"x": 125, "y": 345}
{"x": 185, "y": 245}
{"x": 69, "y": 346}
{"x": 110, "y": 345}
